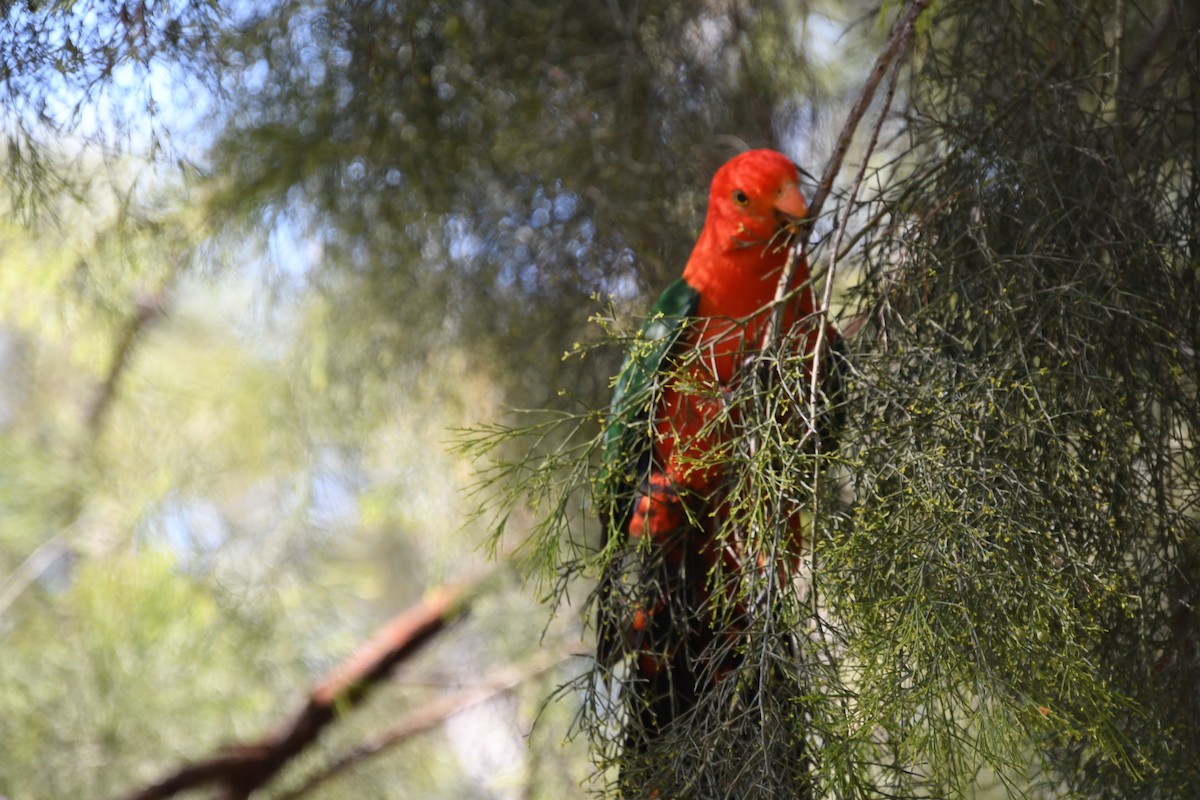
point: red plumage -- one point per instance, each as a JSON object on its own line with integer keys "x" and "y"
{"x": 679, "y": 500}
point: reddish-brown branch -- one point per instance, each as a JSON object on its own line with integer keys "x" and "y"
{"x": 148, "y": 309}
{"x": 241, "y": 769}
{"x": 437, "y": 711}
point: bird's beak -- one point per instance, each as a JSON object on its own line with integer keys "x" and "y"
{"x": 790, "y": 204}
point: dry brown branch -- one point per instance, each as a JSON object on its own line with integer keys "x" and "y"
{"x": 241, "y": 769}
{"x": 437, "y": 711}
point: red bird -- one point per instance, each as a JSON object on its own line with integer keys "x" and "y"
{"x": 663, "y": 484}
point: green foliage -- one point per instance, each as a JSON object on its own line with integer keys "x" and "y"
{"x": 1025, "y": 467}
{"x": 97, "y": 72}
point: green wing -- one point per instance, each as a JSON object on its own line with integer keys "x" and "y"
{"x": 627, "y": 435}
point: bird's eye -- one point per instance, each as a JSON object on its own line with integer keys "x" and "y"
{"x": 740, "y": 197}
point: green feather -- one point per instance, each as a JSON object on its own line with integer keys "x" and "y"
{"x": 627, "y": 435}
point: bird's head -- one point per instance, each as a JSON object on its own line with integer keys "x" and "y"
{"x": 755, "y": 199}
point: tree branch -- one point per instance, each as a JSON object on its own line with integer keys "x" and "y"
{"x": 148, "y": 308}
{"x": 436, "y": 712}
{"x": 241, "y": 769}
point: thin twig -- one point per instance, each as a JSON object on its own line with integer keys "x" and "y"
{"x": 30, "y": 570}
{"x": 900, "y": 35}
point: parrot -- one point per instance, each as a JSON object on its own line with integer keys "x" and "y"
{"x": 664, "y": 479}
